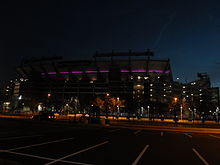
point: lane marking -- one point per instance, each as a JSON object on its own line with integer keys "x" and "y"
{"x": 161, "y": 133}
{"x": 215, "y": 136}
{"x": 40, "y": 157}
{"x": 39, "y": 144}
{"x": 190, "y": 136}
{"x": 114, "y": 130}
{"x": 200, "y": 157}
{"x": 140, "y": 155}
{"x": 19, "y": 137}
{"x": 136, "y": 132}
{"x": 78, "y": 152}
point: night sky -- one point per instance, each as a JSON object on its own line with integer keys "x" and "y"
{"x": 187, "y": 32}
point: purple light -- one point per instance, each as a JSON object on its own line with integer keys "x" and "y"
{"x": 139, "y": 71}
{"x": 91, "y": 71}
{"x": 159, "y": 71}
{"x": 104, "y": 71}
{"x": 64, "y": 72}
{"x": 107, "y": 71}
{"x": 51, "y": 73}
{"x": 125, "y": 71}
{"x": 77, "y": 72}
{"x": 156, "y": 71}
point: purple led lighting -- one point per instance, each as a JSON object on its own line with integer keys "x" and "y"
{"x": 104, "y": 71}
{"x": 91, "y": 71}
{"x": 124, "y": 71}
{"x": 156, "y": 71}
{"x": 159, "y": 71}
{"x": 107, "y": 71}
{"x": 51, "y": 73}
{"x": 77, "y": 72}
{"x": 139, "y": 71}
{"x": 64, "y": 72}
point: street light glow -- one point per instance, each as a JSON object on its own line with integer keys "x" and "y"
{"x": 175, "y": 99}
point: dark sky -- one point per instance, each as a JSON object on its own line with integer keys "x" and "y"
{"x": 186, "y": 31}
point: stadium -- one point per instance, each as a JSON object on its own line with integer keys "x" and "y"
{"x": 129, "y": 75}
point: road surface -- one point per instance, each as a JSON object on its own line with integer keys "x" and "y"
{"x": 43, "y": 143}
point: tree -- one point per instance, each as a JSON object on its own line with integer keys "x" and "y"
{"x": 97, "y": 105}
{"x": 108, "y": 105}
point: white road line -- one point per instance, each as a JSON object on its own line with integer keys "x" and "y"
{"x": 200, "y": 157}
{"x": 161, "y": 133}
{"x": 136, "y": 132}
{"x": 39, "y": 144}
{"x": 18, "y": 137}
{"x": 40, "y": 157}
{"x": 114, "y": 130}
{"x": 140, "y": 155}
{"x": 70, "y": 155}
{"x": 215, "y": 136}
{"x": 190, "y": 136}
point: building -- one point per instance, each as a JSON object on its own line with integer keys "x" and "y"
{"x": 144, "y": 83}
{"x": 132, "y": 76}
{"x": 197, "y": 98}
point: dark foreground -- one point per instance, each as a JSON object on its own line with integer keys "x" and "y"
{"x": 41, "y": 142}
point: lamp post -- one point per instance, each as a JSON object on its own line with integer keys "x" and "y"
{"x": 118, "y": 105}
{"x": 107, "y": 104}
{"x": 175, "y": 106}
{"x": 217, "y": 111}
{"x": 181, "y": 111}
{"x": 148, "y": 112}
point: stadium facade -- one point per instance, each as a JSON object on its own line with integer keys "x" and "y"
{"x": 144, "y": 83}
{"x": 135, "y": 76}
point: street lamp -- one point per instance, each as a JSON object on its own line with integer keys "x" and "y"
{"x": 217, "y": 111}
{"x": 118, "y": 105}
{"x": 148, "y": 111}
{"x": 175, "y": 106}
{"x": 181, "y": 111}
{"x": 175, "y": 99}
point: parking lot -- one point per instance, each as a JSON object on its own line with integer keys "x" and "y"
{"x": 31, "y": 142}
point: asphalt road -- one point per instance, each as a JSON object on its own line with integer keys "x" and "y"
{"x": 40, "y": 142}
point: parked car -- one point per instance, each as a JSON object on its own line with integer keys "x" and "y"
{"x": 44, "y": 116}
